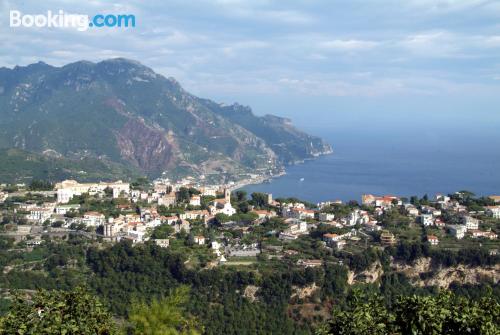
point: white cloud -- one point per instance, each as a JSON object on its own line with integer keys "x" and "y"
{"x": 234, "y": 48}
{"x": 491, "y": 41}
{"x": 263, "y": 11}
{"x": 446, "y": 44}
{"x": 347, "y": 45}
{"x": 287, "y": 16}
{"x": 266, "y": 47}
{"x": 431, "y": 44}
{"x": 445, "y": 5}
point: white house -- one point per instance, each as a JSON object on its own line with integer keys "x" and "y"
{"x": 284, "y": 235}
{"x": 326, "y": 216}
{"x": 458, "y": 231}
{"x": 243, "y": 250}
{"x": 208, "y": 190}
{"x": 298, "y": 228}
{"x": 413, "y": 211}
{"x": 432, "y": 239}
{"x": 264, "y": 214}
{"x": 3, "y": 196}
{"x": 470, "y": 222}
{"x": 195, "y": 200}
{"x": 138, "y": 234}
{"x": 331, "y": 238}
{"x": 357, "y": 217}
{"x": 372, "y": 226}
{"x": 199, "y": 239}
{"x": 93, "y": 219}
{"x": 169, "y": 219}
{"x": 298, "y": 213}
{"x": 110, "y": 229}
{"x": 223, "y": 205}
{"x": 164, "y": 242}
{"x": 39, "y": 214}
{"x": 67, "y": 189}
{"x": 167, "y": 200}
{"x": 442, "y": 198}
{"x": 339, "y": 245}
{"x": 386, "y": 201}
{"x": 494, "y": 211}
{"x": 426, "y": 220}
{"x": 194, "y": 215}
{"x": 294, "y": 230}
{"x": 63, "y": 209}
{"x": 183, "y": 225}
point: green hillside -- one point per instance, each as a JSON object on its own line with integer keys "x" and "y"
{"x": 21, "y": 166}
{"x": 123, "y": 112}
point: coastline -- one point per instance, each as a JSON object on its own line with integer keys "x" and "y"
{"x": 254, "y": 181}
{"x": 263, "y": 179}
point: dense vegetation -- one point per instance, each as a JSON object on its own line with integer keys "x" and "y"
{"x": 123, "y": 272}
{"x": 135, "y": 283}
{"x": 145, "y": 285}
{"x": 18, "y": 166}
{"x": 78, "y": 312}
{"x": 445, "y": 313}
{"x": 58, "y": 312}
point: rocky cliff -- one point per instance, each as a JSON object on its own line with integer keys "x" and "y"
{"x": 121, "y": 112}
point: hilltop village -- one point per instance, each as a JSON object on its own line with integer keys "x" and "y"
{"x": 216, "y": 225}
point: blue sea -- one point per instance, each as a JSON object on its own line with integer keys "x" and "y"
{"x": 404, "y": 162}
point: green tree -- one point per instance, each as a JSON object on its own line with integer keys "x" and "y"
{"x": 40, "y": 185}
{"x": 183, "y": 195}
{"x": 335, "y": 282}
{"x": 162, "y": 231}
{"x": 141, "y": 183}
{"x": 393, "y": 218}
{"x": 364, "y": 315}
{"x": 465, "y": 195}
{"x": 58, "y": 312}
{"x": 241, "y": 195}
{"x": 221, "y": 218}
{"x": 418, "y": 315}
{"x": 193, "y": 191}
{"x": 259, "y": 199}
{"x": 165, "y": 316}
{"x": 206, "y": 200}
{"x": 108, "y": 191}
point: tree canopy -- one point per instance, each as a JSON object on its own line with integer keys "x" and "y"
{"x": 164, "y": 316}
{"x": 445, "y": 313}
{"x": 58, "y": 312}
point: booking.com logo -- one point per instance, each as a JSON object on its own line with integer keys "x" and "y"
{"x": 80, "y": 22}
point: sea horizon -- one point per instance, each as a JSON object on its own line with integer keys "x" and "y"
{"x": 373, "y": 164}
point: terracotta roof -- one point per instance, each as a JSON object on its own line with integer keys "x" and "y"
{"x": 199, "y": 212}
{"x": 261, "y": 211}
{"x": 303, "y": 210}
{"x": 93, "y": 214}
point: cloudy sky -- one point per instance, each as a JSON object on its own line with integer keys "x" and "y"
{"x": 324, "y": 63}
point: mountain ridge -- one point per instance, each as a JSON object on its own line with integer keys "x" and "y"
{"x": 122, "y": 112}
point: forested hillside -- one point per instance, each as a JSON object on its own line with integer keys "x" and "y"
{"x": 222, "y": 300}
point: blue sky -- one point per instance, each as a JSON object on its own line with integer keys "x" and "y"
{"x": 330, "y": 65}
